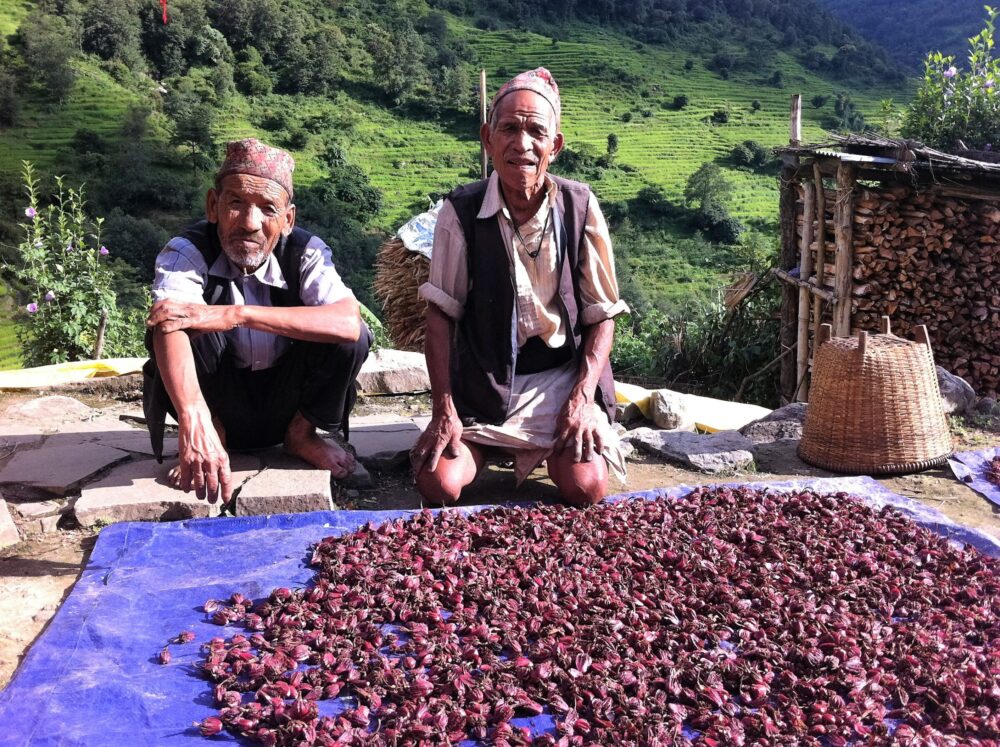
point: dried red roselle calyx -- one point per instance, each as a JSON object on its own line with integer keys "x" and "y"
{"x": 747, "y": 616}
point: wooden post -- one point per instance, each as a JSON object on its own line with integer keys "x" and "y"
{"x": 843, "y": 225}
{"x": 820, "y": 264}
{"x": 805, "y": 270}
{"x": 796, "y": 123}
{"x": 789, "y": 293}
{"x": 482, "y": 120}
{"x": 101, "y": 329}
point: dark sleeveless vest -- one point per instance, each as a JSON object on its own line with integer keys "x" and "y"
{"x": 288, "y": 251}
{"x": 483, "y": 353}
{"x": 205, "y": 238}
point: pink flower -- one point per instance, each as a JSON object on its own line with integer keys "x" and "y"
{"x": 951, "y": 72}
{"x": 104, "y": 251}
{"x": 31, "y": 308}
{"x": 50, "y": 296}
{"x": 30, "y": 212}
{"x": 988, "y": 84}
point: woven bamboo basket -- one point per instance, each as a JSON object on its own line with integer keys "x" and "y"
{"x": 398, "y": 274}
{"x": 874, "y": 405}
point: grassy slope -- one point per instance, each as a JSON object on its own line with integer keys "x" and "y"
{"x": 11, "y": 14}
{"x": 409, "y": 159}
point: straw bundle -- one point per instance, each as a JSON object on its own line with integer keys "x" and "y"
{"x": 398, "y": 274}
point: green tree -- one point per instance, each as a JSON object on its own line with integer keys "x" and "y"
{"x": 112, "y": 31}
{"x": 10, "y": 101}
{"x": 49, "y": 51}
{"x": 708, "y": 185}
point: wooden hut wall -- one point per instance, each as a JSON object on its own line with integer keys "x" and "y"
{"x": 922, "y": 256}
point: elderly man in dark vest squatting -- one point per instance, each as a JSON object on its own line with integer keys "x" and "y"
{"x": 521, "y": 298}
{"x": 255, "y": 339}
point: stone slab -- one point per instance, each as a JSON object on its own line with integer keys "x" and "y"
{"x": 724, "y": 451}
{"x": 59, "y": 469}
{"x": 389, "y": 371}
{"x": 34, "y": 517}
{"x": 8, "y": 529}
{"x": 384, "y": 446}
{"x": 49, "y": 409}
{"x": 94, "y": 430}
{"x": 784, "y": 423}
{"x": 140, "y": 491}
{"x": 285, "y": 491}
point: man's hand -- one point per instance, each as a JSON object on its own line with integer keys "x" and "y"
{"x": 171, "y": 316}
{"x": 578, "y": 428}
{"x": 442, "y": 436}
{"x": 204, "y": 463}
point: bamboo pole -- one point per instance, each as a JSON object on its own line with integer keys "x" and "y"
{"x": 805, "y": 270}
{"x": 823, "y": 293}
{"x": 796, "y": 120}
{"x": 843, "y": 231}
{"x": 820, "y": 263}
{"x": 482, "y": 120}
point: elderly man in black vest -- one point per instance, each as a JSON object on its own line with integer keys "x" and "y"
{"x": 255, "y": 340}
{"x": 521, "y": 304}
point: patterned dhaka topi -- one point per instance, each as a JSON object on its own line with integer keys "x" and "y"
{"x": 538, "y": 80}
{"x": 251, "y": 156}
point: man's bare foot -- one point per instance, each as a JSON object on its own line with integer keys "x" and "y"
{"x": 301, "y": 440}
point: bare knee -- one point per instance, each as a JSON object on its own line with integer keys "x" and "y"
{"x": 439, "y": 489}
{"x": 580, "y": 484}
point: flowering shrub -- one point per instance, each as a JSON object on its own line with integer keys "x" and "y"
{"x": 955, "y": 107}
{"x": 69, "y": 281}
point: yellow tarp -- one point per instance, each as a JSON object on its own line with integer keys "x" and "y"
{"x": 67, "y": 373}
{"x": 709, "y": 414}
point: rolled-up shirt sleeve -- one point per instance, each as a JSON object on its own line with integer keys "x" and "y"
{"x": 180, "y": 273}
{"x": 319, "y": 281}
{"x": 598, "y": 285}
{"x": 448, "y": 284}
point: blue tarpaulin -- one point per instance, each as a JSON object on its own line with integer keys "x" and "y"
{"x": 970, "y": 468}
{"x": 93, "y": 677}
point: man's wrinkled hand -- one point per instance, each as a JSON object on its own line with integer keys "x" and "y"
{"x": 204, "y": 462}
{"x": 578, "y": 428}
{"x": 443, "y": 435}
{"x": 171, "y": 316}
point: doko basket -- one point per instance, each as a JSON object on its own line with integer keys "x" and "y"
{"x": 874, "y": 406}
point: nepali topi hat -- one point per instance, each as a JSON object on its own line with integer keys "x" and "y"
{"x": 251, "y": 156}
{"x": 538, "y": 80}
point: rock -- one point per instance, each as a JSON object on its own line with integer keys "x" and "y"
{"x": 57, "y": 469}
{"x": 725, "y": 451}
{"x": 39, "y": 516}
{"x": 393, "y": 372}
{"x": 140, "y": 491}
{"x": 44, "y": 411}
{"x": 360, "y": 478}
{"x": 285, "y": 491}
{"x": 383, "y": 443}
{"x": 785, "y": 422}
{"x": 8, "y": 529}
{"x": 669, "y": 409}
{"x": 986, "y": 406}
{"x": 959, "y": 397}
{"x": 627, "y": 413}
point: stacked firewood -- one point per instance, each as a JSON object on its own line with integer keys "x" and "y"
{"x": 927, "y": 258}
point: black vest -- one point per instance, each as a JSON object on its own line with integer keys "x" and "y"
{"x": 483, "y": 351}
{"x": 288, "y": 251}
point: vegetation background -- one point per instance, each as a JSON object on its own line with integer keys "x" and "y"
{"x": 670, "y": 110}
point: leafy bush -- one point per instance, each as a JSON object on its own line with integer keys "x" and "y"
{"x": 955, "y": 105}
{"x": 68, "y": 280}
{"x": 819, "y": 101}
{"x": 681, "y": 101}
{"x": 718, "y": 224}
{"x": 720, "y": 116}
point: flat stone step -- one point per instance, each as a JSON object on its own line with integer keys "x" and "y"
{"x": 8, "y": 529}
{"x": 383, "y": 443}
{"x": 57, "y": 469}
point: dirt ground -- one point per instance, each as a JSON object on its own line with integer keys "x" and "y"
{"x": 39, "y": 572}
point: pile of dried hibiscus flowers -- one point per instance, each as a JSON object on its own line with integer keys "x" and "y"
{"x": 730, "y": 617}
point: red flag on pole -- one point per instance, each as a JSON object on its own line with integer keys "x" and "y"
{"x": 163, "y": 4}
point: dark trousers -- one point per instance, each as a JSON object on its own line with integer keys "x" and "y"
{"x": 255, "y": 407}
